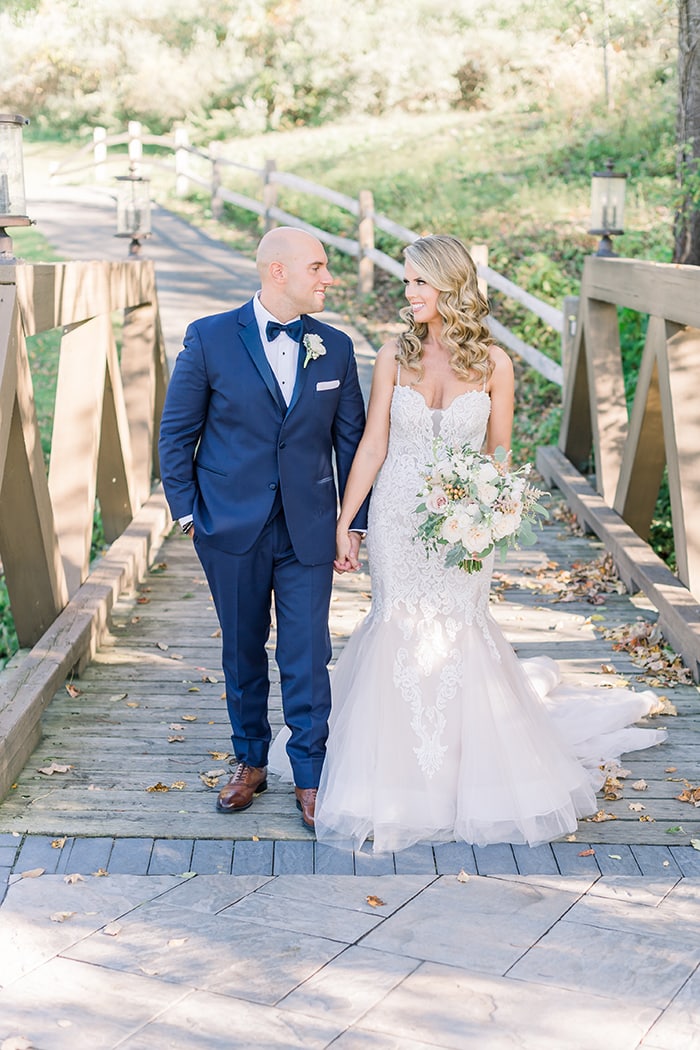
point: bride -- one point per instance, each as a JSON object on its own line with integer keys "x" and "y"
{"x": 437, "y": 730}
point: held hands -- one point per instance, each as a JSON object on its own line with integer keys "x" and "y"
{"x": 347, "y": 547}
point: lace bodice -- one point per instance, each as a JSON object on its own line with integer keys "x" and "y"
{"x": 402, "y": 573}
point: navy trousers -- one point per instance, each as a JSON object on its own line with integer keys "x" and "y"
{"x": 242, "y": 586}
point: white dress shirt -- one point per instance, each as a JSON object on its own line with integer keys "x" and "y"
{"x": 282, "y": 352}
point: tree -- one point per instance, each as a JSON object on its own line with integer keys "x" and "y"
{"x": 687, "y": 221}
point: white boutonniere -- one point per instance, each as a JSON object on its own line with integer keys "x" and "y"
{"x": 314, "y": 347}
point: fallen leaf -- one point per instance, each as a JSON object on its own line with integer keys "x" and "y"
{"x": 463, "y": 876}
{"x": 189, "y": 718}
{"x": 210, "y": 782}
{"x": 671, "y": 769}
{"x": 143, "y": 600}
{"x": 210, "y": 678}
{"x": 58, "y": 843}
{"x": 118, "y": 696}
{"x": 70, "y": 879}
{"x": 614, "y": 856}
{"x": 587, "y": 853}
{"x": 677, "y": 829}
{"x": 61, "y": 916}
{"x": 570, "y": 838}
{"x": 600, "y": 816}
{"x": 71, "y": 690}
{"x": 695, "y": 843}
{"x": 177, "y": 942}
{"x": 636, "y": 807}
{"x": 158, "y": 787}
{"x": 133, "y": 703}
{"x": 608, "y": 669}
{"x": 163, "y": 646}
{"x": 176, "y": 726}
{"x": 666, "y": 863}
{"x": 176, "y": 656}
{"x": 175, "y": 739}
{"x": 646, "y": 819}
{"x": 256, "y": 838}
{"x": 640, "y": 785}
{"x": 179, "y": 785}
{"x": 193, "y": 689}
{"x": 33, "y": 873}
{"x": 188, "y": 875}
{"x": 216, "y": 633}
{"x": 216, "y": 773}
{"x": 375, "y": 902}
{"x": 55, "y": 767}
{"x": 220, "y": 756}
{"x": 100, "y": 873}
{"x": 111, "y": 929}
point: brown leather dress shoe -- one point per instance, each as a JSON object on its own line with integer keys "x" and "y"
{"x": 306, "y": 802}
{"x": 244, "y": 785}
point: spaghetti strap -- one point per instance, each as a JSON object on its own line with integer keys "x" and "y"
{"x": 398, "y": 373}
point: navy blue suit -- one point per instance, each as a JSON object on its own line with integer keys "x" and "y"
{"x": 258, "y": 478}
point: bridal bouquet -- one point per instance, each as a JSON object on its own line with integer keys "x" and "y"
{"x": 471, "y": 503}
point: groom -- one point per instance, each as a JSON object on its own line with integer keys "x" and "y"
{"x": 259, "y": 400}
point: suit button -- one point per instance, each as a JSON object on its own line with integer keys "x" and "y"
{"x": 283, "y": 444}
{"x": 272, "y": 485}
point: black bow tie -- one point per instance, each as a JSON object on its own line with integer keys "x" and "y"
{"x": 293, "y": 329}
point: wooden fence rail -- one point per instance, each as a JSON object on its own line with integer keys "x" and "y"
{"x": 208, "y": 168}
{"x": 103, "y": 447}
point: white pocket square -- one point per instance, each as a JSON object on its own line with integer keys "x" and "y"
{"x": 328, "y": 384}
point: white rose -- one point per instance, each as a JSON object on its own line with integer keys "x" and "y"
{"x": 486, "y": 493}
{"x": 476, "y": 538}
{"x": 504, "y": 524}
{"x": 486, "y": 472}
{"x": 436, "y": 500}
{"x": 451, "y": 529}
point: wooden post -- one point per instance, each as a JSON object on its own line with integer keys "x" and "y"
{"x": 217, "y": 205}
{"x": 365, "y": 236}
{"x": 135, "y": 143}
{"x": 269, "y": 194}
{"x": 480, "y": 255}
{"x": 99, "y": 150}
{"x": 568, "y": 334}
{"x": 182, "y": 162}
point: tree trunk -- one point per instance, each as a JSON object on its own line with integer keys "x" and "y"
{"x": 687, "y": 220}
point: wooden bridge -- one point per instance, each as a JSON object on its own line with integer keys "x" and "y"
{"x": 112, "y": 721}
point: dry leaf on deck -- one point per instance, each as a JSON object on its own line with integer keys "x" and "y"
{"x": 636, "y": 807}
{"x": 600, "y": 816}
{"x": 220, "y": 756}
{"x": 189, "y": 718}
{"x": 216, "y": 633}
{"x": 179, "y": 785}
{"x": 375, "y": 902}
{"x": 210, "y": 678}
{"x": 71, "y": 690}
{"x": 75, "y": 877}
{"x": 100, "y": 873}
{"x": 176, "y": 739}
{"x": 587, "y": 853}
{"x": 176, "y": 726}
{"x": 33, "y": 873}
{"x": 640, "y": 785}
{"x": 111, "y": 929}
{"x": 163, "y": 646}
{"x": 211, "y": 782}
{"x": 58, "y": 844}
{"x": 133, "y": 703}
{"x": 671, "y": 769}
{"x": 117, "y": 696}
{"x": 463, "y": 876}
{"x": 55, "y": 767}
{"x": 177, "y": 942}
{"x": 158, "y": 787}
{"x": 646, "y": 819}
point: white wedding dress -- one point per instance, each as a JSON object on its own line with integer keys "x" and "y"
{"x": 437, "y": 730}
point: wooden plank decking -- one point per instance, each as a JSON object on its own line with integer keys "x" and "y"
{"x": 149, "y": 713}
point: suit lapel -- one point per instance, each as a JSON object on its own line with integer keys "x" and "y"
{"x": 251, "y": 340}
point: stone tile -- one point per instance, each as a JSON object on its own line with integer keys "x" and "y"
{"x": 354, "y": 1039}
{"x": 495, "y": 859}
{"x": 252, "y": 858}
{"x": 447, "y": 1007}
{"x": 308, "y": 915}
{"x": 171, "y": 857}
{"x": 203, "y": 1020}
{"x": 655, "y": 860}
{"x": 679, "y": 1025}
{"x": 37, "y": 852}
{"x": 616, "y": 860}
{"x": 88, "y": 855}
{"x": 575, "y": 884}
{"x": 636, "y": 890}
{"x": 209, "y": 952}
{"x": 66, "y": 1005}
{"x": 28, "y": 936}
{"x": 416, "y": 860}
{"x": 624, "y": 966}
{"x": 676, "y": 916}
{"x": 293, "y": 858}
{"x": 7, "y": 856}
{"x": 212, "y": 857}
{"x": 331, "y": 861}
{"x": 340, "y": 892}
{"x": 212, "y": 893}
{"x": 453, "y": 857}
{"x": 367, "y": 863}
{"x": 130, "y": 856}
{"x": 570, "y": 861}
{"x": 349, "y": 985}
{"x": 535, "y": 860}
{"x": 483, "y": 924}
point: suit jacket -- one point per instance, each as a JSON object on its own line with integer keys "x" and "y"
{"x": 230, "y": 447}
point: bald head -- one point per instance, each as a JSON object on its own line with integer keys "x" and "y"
{"x": 293, "y": 268}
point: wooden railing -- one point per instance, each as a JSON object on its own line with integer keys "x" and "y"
{"x": 210, "y": 169}
{"x": 631, "y": 449}
{"x": 103, "y": 447}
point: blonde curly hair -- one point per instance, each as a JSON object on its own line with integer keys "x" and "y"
{"x": 444, "y": 262}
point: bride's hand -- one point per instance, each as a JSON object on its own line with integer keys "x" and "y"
{"x": 347, "y": 548}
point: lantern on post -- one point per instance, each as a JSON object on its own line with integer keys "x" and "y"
{"x": 607, "y": 207}
{"x": 13, "y": 205}
{"x": 133, "y": 209}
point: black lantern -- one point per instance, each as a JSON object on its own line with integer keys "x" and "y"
{"x": 607, "y": 207}
{"x": 133, "y": 209}
{"x": 13, "y": 204}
